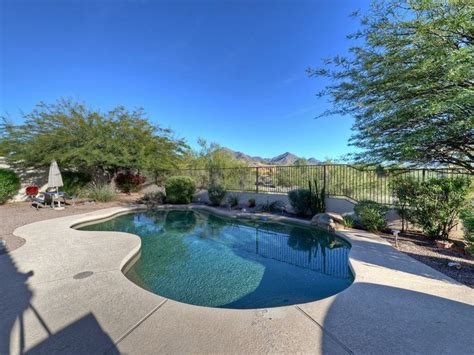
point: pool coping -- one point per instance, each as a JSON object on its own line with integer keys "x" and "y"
{"x": 377, "y": 268}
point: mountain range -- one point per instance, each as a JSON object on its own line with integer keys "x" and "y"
{"x": 282, "y": 159}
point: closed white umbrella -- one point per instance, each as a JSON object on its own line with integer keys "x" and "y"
{"x": 55, "y": 179}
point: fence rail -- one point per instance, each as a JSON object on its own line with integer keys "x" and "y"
{"x": 339, "y": 180}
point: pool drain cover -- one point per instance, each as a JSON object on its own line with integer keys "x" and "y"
{"x": 83, "y": 275}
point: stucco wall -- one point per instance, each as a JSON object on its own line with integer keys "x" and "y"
{"x": 27, "y": 177}
{"x": 339, "y": 205}
{"x": 202, "y": 196}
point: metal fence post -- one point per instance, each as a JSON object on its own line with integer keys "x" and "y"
{"x": 324, "y": 180}
{"x": 256, "y": 180}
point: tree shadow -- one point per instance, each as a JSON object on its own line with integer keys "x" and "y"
{"x": 19, "y": 316}
{"x": 370, "y": 318}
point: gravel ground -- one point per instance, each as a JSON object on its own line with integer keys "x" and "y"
{"x": 425, "y": 251}
{"x": 14, "y": 215}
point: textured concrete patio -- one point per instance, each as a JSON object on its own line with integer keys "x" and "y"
{"x": 64, "y": 291}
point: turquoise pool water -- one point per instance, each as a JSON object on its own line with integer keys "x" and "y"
{"x": 203, "y": 259}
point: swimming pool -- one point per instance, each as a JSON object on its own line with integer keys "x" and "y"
{"x": 203, "y": 259}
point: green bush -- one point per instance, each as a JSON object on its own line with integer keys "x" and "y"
{"x": 300, "y": 200}
{"x": 403, "y": 189}
{"x": 216, "y": 194}
{"x": 99, "y": 192}
{"x": 74, "y": 182}
{"x": 179, "y": 189}
{"x": 467, "y": 217}
{"x": 371, "y": 215}
{"x": 251, "y": 203}
{"x": 271, "y": 207}
{"x": 435, "y": 205}
{"x": 233, "y": 200}
{"x": 349, "y": 221}
{"x": 9, "y": 185}
{"x": 317, "y": 202}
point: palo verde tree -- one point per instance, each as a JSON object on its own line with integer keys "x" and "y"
{"x": 409, "y": 83}
{"x": 88, "y": 141}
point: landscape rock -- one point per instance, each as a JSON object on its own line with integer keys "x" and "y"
{"x": 328, "y": 221}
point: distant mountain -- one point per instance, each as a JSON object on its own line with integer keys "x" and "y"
{"x": 282, "y": 159}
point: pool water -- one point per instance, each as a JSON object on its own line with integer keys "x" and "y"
{"x": 203, "y": 259}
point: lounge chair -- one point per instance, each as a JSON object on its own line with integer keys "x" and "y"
{"x": 38, "y": 198}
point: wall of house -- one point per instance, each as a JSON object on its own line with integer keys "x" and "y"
{"x": 28, "y": 177}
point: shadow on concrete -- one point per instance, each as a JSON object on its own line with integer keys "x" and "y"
{"x": 21, "y": 321}
{"x": 377, "y": 254}
{"x": 377, "y": 319}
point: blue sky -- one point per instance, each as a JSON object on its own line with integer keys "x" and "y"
{"x": 232, "y": 72}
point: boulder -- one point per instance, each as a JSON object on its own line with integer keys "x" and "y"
{"x": 328, "y": 221}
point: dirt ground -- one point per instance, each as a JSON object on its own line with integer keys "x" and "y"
{"x": 14, "y": 215}
{"x": 425, "y": 250}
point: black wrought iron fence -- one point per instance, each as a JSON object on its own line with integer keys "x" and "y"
{"x": 338, "y": 179}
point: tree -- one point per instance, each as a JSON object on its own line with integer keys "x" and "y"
{"x": 218, "y": 163}
{"x": 409, "y": 83}
{"x": 88, "y": 141}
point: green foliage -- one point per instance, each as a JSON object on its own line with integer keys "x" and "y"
{"x": 251, "y": 203}
{"x": 300, "y": 200}
{"x": 436, "y": 204}
{"x": 220, "y": 167}
{"x": 403, "y": 189}
{"x": 95, "y": 143}
{"x": 179, "y": 189}
{"x": 317, "y": 198}
{"x": 74, "y": 182}
{"x": 100, "y": 192}
{"x": 467, "y": 217}
{"x": 271, "y": 207}
{"x": 233, "y": 200}
{"x": 216, "y": 194}
{"x": 349, "y": 221}
{"x": 9, "y": 185}
{"x": 371, "y": 215}
{"x": 409, "y": 83}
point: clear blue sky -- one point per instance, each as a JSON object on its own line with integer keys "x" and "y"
{"x": 232, "y": 72}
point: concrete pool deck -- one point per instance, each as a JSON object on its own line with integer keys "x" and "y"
{"x": 64, "y": 291}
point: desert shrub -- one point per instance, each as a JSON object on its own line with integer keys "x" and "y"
{"x": 9, "y": 185}
{"x": 251, "y": 203}
{"x": 179, "y": 189}
{"x": 74, "y": 182}
{"x": 233, "y": 200}
{"x": 128, "y": 182}
{"x": 271, "y": 207}
{"x": 317, "y": 194}
{"x": 467, "y": 217}
{"x": 300, "y": 200}
{"x": 435, "y": 205}
{"x": 371, "y": 215}
{"x": 349, "y": 221}
{"x": 99, "y": 192}
{"x": 216, "y": 194}
{"x": 403, "y": 189}
{"x": 153, "y": 198}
